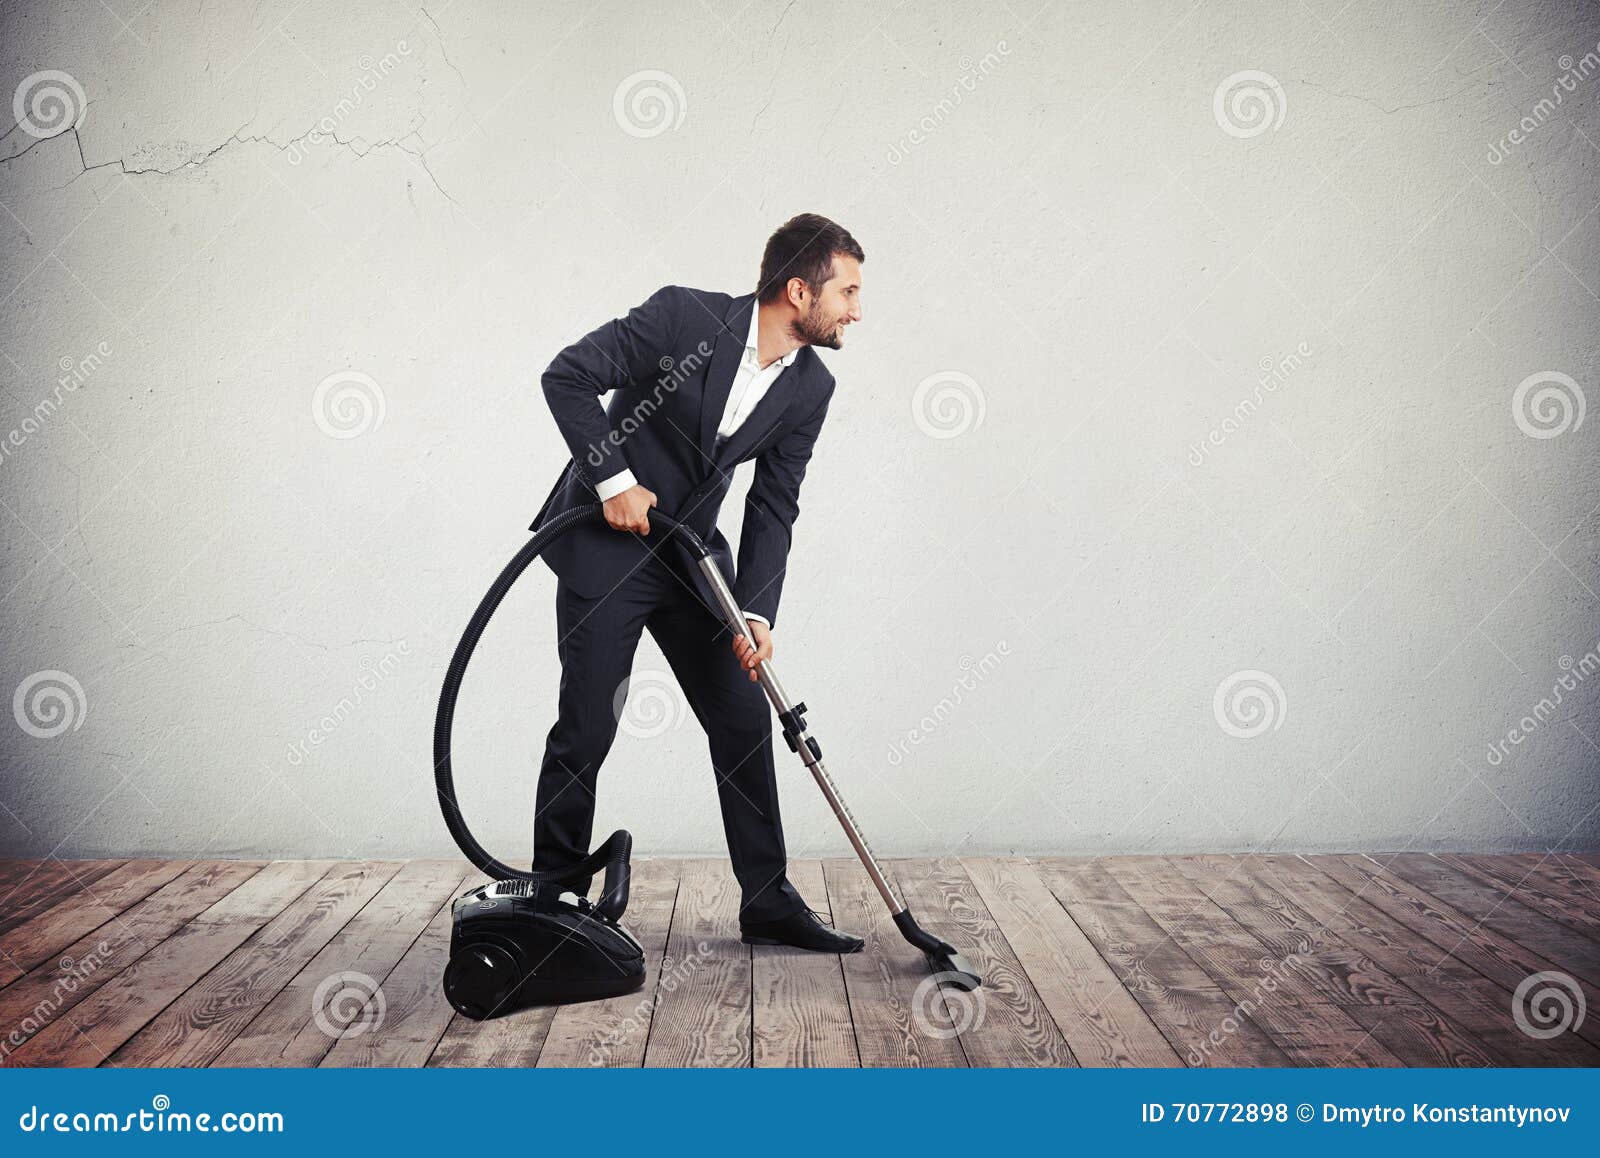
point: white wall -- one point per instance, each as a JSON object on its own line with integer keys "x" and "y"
{"x": 1060, "y": 232}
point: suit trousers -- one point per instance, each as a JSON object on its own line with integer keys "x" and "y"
{"x": 597, "y": 638}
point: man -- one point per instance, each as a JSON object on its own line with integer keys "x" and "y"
{"x": 701, "y": 382}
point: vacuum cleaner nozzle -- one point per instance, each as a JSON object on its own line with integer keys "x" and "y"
{"x": 946, "y": 963}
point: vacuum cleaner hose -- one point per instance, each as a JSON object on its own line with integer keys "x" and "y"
{"x": 614, "y": 853}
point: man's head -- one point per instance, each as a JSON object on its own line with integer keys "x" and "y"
{"x": 813, "y": 267}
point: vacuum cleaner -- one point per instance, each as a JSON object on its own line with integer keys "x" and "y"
{"x": 523, "y": 939}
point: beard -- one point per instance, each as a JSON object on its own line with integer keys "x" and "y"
{"x": 815, "y": 330}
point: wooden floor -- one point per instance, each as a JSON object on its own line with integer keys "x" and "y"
{"x": 1383, "y": 960}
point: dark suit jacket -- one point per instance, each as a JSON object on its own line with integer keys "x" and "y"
{"x": 670, "y": 363}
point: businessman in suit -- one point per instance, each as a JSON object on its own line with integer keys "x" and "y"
{"x": 700, "y": 382}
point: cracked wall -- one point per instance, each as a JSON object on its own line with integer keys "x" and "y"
{"x": 1209, "y": 470}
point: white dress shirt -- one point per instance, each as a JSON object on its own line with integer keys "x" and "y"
{"x": 751, "y": 381}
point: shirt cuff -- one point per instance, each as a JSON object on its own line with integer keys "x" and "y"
{"x": 611, "y": 487}
{"x": 759, "y": 618}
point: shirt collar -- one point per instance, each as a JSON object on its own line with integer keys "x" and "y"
{"x": 751, "y": 342}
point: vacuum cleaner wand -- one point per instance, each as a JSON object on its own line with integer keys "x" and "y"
{"x": 945, "y": 961}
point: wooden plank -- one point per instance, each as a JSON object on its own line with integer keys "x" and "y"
{"x": 37, "y": 940}
{"x": 1005, "y": 1023}
{"x": 415, "y": 1013}
{"x": 612, "y": 1033}
{"x": 1104, "y": 1024}
{"x": 881, "y": 981}
{"x": 1494, "y": 906}
{"x": 198, "y": 1026}
{"x": 51, "y": 989}
{"x": 126, "y": 1003}
{"x": 1459, "y": 992}
{"x": 705, "y": 1019}
{"x": 1309, "y": 1028}
{"x": 1579, "y": 874}
{"x": 1499, "y": 958}
{"x": 1202, "y": 1024}
{"x": 1395, "y": 1016}
{"x": 13, "y": 870}
{"x": 325, "y": 1001}
{"x": 1529, "y": 880}
{"x": 800, "y": 1014}
{"x": 50, "y": 883}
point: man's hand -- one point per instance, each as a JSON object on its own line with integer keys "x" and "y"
{"x": 630, "y": 510}
{"x": 752, "y": 657}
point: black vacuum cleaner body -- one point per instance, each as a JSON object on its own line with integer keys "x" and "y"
{"x": 512, "y": 945}
{"x": 530, "y": 939}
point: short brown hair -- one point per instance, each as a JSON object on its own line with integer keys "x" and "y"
{"x": 804, "y": 247}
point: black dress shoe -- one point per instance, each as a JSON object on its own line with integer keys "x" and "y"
{"x": 802, "y": 930}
